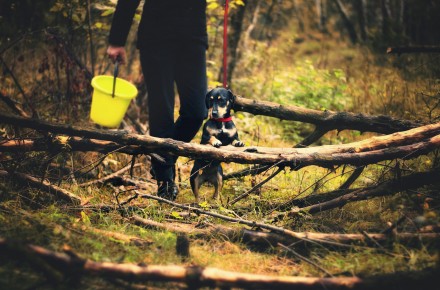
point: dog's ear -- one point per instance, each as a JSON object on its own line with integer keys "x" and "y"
{"x": 231, "y": 97}
{"x": 208, "y": 95}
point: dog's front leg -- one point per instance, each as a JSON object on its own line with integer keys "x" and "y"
{"x": 215, "y": 142}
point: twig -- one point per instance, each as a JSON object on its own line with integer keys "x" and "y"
{"x": 9, "y": 71}
{"x": 330, "y": 239}
{"x": 414, "y": 180}
{"x": 11, "y": 104}
{"x": 240, "y": 197}
{"x": 254, "y": 170}
{"x": 110, "y": 176}
{"x": 305, "y": 259}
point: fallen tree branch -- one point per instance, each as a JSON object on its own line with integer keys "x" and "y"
{"x": 323, "y": 238}
{"x": 240, "y": 197}
{"x": 44, "y": 185}
{"x": 414, "y": 49}
{"x": 352, "y": 178}
{"x": 412, "y": 181}
{"x": 264, "y": 239}
{"x": 115, "y": 235}
{"x": 325, "y": 119}
{"x": 71, "y": 144}
{"x": 301, "y": 257}
{"x": 11, "y": 104}
{"x": 195, "y": 276}
{"x": 407, "y": 144}
{"x": 110, "y": 176}
{"x": 253, "y": 170}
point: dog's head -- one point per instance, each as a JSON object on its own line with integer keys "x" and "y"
{"x": 219, "y": 102}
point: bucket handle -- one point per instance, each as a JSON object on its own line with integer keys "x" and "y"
{"x": 115, "y": 75}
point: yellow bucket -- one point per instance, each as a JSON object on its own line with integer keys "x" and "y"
{"x": 106, "y": 110}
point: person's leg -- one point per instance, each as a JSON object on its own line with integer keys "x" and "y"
{"x": 158, "y": 63}
{"x": 192, "y": 86}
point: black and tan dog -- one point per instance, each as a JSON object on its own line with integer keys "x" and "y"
{"x": 218, "y": 130}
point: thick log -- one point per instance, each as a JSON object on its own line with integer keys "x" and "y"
{"x": 412, "y": 181}
{"x": 325, "y": 119}
{"x": 195, "y": 276}
{"x": 407, "y": 144}
{"x": 70, "y": 144}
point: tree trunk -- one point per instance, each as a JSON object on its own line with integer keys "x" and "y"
{"x": 255, "y": 8}
{"x": 236, "y": 25}
{"x": 321, "y": 13}
{"x": 347, "y": 22}
{"x": 361, "y": 7}
{"x": 386, "y": 19}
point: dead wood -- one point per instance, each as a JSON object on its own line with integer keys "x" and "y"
{"x": 352, "y": 178}
{"x": 263, "y": 239}
{"x": 68, "y": 144}
{"x": 241, "y": 196}
{"x": 110, "y": 176}
{"x": 11, "y": 104}
{"x": 413, "y": 49}
{"x": 314, "y": 199}
{"x": 329, "y": 120}
{"x": 407, "y": 144}
{"x": 44, "y": 185}
{"x": 323, "y": 238}
{"x": 194, "y": 276}
{"x": 115, "y": 235}
{"x": 253, "y": 170}
{"x": 412, "y": 181}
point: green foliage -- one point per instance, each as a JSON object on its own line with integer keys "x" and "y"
{"x": 307, "y": 86}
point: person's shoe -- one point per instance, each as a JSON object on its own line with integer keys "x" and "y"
{"x": 167, "y": 190}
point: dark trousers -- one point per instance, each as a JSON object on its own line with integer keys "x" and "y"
{"x": 165, "y": 64}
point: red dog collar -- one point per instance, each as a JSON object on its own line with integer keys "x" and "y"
{"x": 223, "y": 119}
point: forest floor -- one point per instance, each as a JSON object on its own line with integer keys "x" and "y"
{"x": 32, "y": 216}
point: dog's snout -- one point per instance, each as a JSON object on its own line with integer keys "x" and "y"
{"x": 215, "y": 113}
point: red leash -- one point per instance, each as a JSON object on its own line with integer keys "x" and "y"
{"x": 225, "y": 44}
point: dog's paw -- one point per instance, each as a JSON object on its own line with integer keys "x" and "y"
{"x": 238, "y": 143}
{"x": 217, "y": 144}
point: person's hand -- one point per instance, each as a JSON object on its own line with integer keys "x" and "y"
{"x": 116, "y": 53}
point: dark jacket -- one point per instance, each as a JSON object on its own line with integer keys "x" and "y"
{"x": 175, "y": 20}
